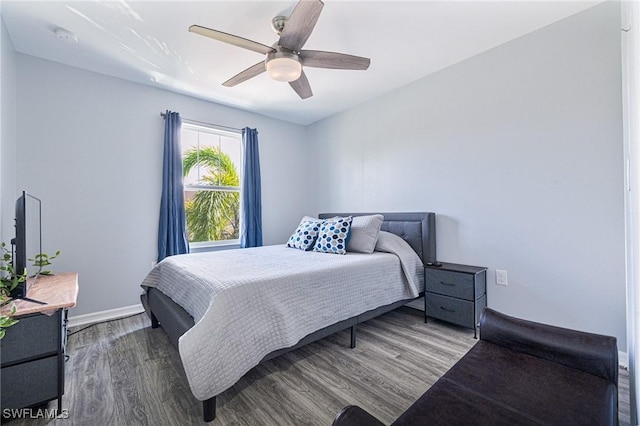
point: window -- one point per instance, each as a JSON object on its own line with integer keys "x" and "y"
{"x": 211, "y": 160}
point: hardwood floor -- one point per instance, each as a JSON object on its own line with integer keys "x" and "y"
{"x": 125, "y": 373}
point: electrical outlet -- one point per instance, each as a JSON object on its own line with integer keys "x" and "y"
{"x": 501, "y": 277}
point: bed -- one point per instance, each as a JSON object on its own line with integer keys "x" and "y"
{"x": 225, "y": 317}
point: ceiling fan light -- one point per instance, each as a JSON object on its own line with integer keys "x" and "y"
{"x": 284, "y": 68}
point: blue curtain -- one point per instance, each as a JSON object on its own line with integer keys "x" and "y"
{"x": 172, "y": 232}
{"x": 251, "y": 223}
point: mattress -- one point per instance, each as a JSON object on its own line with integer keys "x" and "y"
{"x": 248, "y": 303}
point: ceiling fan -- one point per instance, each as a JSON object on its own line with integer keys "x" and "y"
{"x": 285, "y": 58}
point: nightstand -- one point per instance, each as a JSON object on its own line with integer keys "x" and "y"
{"x": 455, "y": 293}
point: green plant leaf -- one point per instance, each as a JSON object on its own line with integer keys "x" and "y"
{"x": 7, "y": 321}
{"x": 212, "y": 215}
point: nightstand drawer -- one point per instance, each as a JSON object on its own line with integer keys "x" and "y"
{"x": 450, "y": 309}
{"x": 34, "y": 336}
{"x": 449, "y": 283}
{"x": 30, "y": 383}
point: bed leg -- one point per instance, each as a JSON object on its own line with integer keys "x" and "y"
{"x": 154, "y": 320}
{"x": 353, "y": 336}
{"x": 209, "y": 409}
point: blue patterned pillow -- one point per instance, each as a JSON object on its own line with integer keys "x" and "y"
{"x": 305, "y": 235}
{"x": 333, "y": 235}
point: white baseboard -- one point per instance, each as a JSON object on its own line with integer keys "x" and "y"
{"x": 623, "y": 360}
{"x": 109, "y": 314}
{"x": 417, "y": 304}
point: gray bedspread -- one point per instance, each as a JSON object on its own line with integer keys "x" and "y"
{"x": 248, "y": 303}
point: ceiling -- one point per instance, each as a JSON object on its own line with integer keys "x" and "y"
{"x": 148, "y": 42}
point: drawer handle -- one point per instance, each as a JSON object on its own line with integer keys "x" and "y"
{"x": 449, "y": 284}
{"x": 446, "y": 309}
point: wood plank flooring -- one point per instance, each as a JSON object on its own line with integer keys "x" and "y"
{"x": 125, "y": 373}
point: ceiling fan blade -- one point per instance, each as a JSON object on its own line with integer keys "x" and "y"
{"x": 333, "y": 60}
{"x": 300, "y": 24}
{"x": 302, "y": 86}
{"x": 245, "y": 75}
{"x": 231, "y": 39}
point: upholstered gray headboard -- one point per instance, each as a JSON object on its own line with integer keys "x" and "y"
{"x": 417, "y": 229}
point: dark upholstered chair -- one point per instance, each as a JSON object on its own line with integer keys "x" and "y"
{"x": 519, "y": 373}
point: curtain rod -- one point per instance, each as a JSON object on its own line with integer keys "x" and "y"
{"x": 188, "y": 121}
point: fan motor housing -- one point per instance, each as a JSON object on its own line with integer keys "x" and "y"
{"x": 278, "y": 23}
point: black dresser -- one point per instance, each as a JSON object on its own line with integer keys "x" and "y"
{"x": 32, "y": 352}
{"x": 32, "y": 355}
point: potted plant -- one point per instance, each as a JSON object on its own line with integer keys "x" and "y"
{"x": 8, "y": 281}
{"x": 42, "y": 260}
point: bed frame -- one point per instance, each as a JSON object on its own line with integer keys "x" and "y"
{"x": 417, "y": 229}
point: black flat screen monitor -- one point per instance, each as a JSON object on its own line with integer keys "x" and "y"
{"x": 28, "y": 242}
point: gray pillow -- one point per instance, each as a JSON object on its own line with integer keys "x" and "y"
{"x": 364, "y": 233}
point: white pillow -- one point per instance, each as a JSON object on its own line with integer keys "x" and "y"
{"x": 364, "y": 233}
{"x": 304, "y": 237}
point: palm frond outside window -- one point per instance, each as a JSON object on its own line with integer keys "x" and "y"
{"x": 211, "y": 160}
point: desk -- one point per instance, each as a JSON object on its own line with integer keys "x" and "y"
{"x": 32, "y": 351}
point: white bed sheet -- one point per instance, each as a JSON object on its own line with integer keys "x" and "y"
{"x": 248, "y": 303}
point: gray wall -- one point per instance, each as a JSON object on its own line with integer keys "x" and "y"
{"x": 7, "y": 135}
{"x": 90, "y": 147}
{"x": 519, "y": 151}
